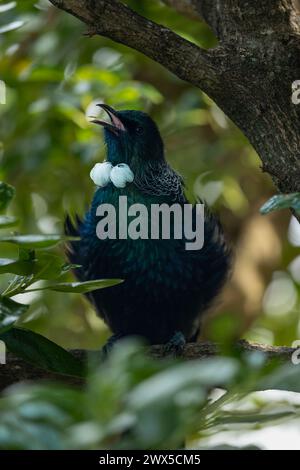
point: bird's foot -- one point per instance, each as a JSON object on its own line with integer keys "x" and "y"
{"x": 109, "y": 345}
{"x": 175, "y": 346}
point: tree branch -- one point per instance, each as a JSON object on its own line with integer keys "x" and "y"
{"x": 114, "y": 20}
{"x": 249, "y": 75}
{"x": 17, "y": 370}
{"x": 232, "y": 17}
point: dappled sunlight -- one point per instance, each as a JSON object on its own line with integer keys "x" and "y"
{"x": 53, "y": 154}
{"x": 52, "y": 79}
{"x": 280, "y": 296}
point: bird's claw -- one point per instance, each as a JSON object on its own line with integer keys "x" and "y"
{"x": 175, "y": 346}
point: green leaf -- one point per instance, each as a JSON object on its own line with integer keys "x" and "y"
{"x": 36, "y": 241}
{"x": 45, "y": 266}
{"x": 7, "y": 192}
{"x": 7, "y": 221}
{"x": 41, "y": 352}
{"x": 17, "y": 285}
{"x": 46, "y": 74}
{"x": 281, "y": 201}
{"x": 11, "y": 26}
{"x": 68, "y": 267}
{"x": 285, "y": 377}
{"x": 10, "y": 312}
{"x": 21, "y": 268}
{"x": 195, "y": 375}
{"x": 235, "y": 418}
{"x": 79, "y": 287}
{"x": 7, "y": 6}
{"x": 48, "y": 266}
{"x": 26, "y": 254}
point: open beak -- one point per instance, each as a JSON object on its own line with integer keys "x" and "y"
{"x": 115, "y": 125}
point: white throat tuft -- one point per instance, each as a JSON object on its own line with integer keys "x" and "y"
{"x": 104, "y": 173}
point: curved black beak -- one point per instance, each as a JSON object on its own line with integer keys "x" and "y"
{"x": 115, "y": 125}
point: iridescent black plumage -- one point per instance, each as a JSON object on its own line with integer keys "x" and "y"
{"x": 167, "y": 288}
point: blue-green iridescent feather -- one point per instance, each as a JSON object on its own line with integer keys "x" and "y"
{"x": 167, "y": 288}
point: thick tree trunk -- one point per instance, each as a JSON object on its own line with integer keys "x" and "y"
{"x": 259, "y": 103}
{"x": 261, "y": 46}
{"x": 249, "y": 75}
{"x": 258, "y": 60}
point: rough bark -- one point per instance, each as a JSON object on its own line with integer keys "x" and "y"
{"x": 112, "y": 19}
{"x": 17, "y": 370}
{"x": 189, "y": 8}
{"x": 249, "y": 75}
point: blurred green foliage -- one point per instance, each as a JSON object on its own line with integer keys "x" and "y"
{"x": 51, "y": 76}
{"x": 134, "y": 402}
{"x": 33, "y": 265}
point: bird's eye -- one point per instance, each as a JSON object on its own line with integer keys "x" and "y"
{"x": 139, "y": 130}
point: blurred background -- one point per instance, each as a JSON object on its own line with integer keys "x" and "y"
{"x": 53, "y": 77}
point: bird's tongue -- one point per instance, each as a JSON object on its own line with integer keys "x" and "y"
{"x": 116, "y": 121}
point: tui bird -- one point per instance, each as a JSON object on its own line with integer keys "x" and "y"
{"x": 166, "y": 287}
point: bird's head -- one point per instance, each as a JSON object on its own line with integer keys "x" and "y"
{"x": 131, "y": 137}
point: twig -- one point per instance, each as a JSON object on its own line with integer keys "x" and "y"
{"x": 17, "y": 370}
